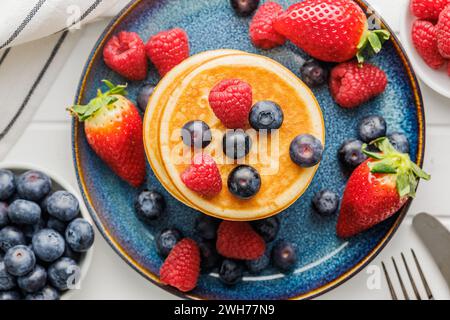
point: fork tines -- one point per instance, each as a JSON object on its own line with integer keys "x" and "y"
{"x": 410, "y": 277}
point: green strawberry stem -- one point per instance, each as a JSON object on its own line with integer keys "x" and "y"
{"x": 390, "y": 161}
{"x": 84, "y": 112}
{"x": 371, "y": 43}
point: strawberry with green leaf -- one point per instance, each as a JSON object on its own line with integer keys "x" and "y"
{"x": 330, "y": 30}
{"x": 113, "y": 129}
{"x": 377, "y": 189}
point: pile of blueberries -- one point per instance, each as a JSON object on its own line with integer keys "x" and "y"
{"x": 150, "y": 206}
{"x": 42, "y": 237}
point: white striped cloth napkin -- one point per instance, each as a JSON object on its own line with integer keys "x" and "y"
{"x": 36, "y": 37}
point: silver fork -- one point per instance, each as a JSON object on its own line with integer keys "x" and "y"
{"x": 394, "y": 296}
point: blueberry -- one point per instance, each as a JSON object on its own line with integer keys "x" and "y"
{"x": 7, "y": 184}
{"x": 80, "y": 235}
{"x": 166, "y": 240}
{"x": 399, "y": 141}
{"x": 230, "y": 272}
{"x": 306, "y": 150}
{"x": 33, "y": 185}
{"x": 10, "y": 237}
{"x": 350, "y": 153}
{"x": 24, "y": 212}
{"x": 7, "y": 281}
{"x": 149, "y": 205}
{"x": 47, "y": 293}
{"x": 10, "y": 295}
{"x": 267, "y": 228}
{"x": 48, "y": 245}
{"x": 284, "y": 255}
{"x": 371, "y": 128}
{"x": 144, "y": 95}
{"x": 236, "y": 144}
{"x": 19, "y": 260}
{"x": 57, "y": 225}
{"x": 326, "y": 202}
{"x": 30, "y": 230}
{"x": 63, "y": 205}
{"x": 258, "y": 265}
{"x": 209, "y": 256}
{"x": 244, "y": 8}
{"x": 64, "y": 273}
{"x": 313, "y": 73}
{"x": 244, "y": 182}
{"x": 266, "y": 115}
{"x": 196, "y": 134}
{"x": 206, "y": 227}
{"x": 4, "y": 220}
{"x": 33, "y": 281}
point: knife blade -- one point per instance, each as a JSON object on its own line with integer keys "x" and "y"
{"x": 436, "y": 238}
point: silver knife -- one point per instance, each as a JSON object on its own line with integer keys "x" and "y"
{"x": 436, "y": 238}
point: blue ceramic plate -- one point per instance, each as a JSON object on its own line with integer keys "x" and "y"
{"x": 325, "y": 260}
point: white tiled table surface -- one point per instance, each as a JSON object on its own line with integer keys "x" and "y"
{"x": 46, "y": 142}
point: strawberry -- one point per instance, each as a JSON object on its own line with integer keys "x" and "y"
{"x": 167, "y": 49}
{"x": 125, "y": 54}
{"x": 262, "y": 33}
{"x": 428, "y": 9}
{"x": 443, "y": 33}
{"x": 377, "y": 189}
{"x": 182, "y": 267}
{"x": 113, "y": 129}
{"x": 330, "y": 30}
{"x": 203, "y": 176}
{"x": 231, "y": 101}
{"x": 424, "y": 37}
{"x": 352, "y": 84}
{"x": 237, "y": 240}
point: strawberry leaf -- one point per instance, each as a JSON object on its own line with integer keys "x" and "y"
{"x": 403, "y": 185}
{"x": 84, "y": 112}
{"x": 371, "y": 43}
{"x": 383, "y": 166}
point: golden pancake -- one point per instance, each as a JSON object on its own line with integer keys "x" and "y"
{"x": 282, "y": 181}
{"x": 152, "y": 118}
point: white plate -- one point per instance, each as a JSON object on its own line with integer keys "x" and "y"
{"x": 60, "y": 184}
{"x": 438, "y": 80}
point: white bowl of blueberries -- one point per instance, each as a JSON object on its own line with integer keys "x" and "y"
{"x": 46, "y": 235}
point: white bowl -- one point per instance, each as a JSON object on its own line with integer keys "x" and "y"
{"x": 60, "y": 184}
{"x": 438, "y": 80}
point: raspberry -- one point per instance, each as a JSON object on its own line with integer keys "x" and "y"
{"x": 167, "y": 49}
{"x": 182, "y": 267}
{"x": 262, "y": 32}
{"x": 352, "y": 85}
{"x": 231, "y": 101}
{"x": 125, "y": 54}
{"x": 237, "y": 240}
{"x": 428, "y": 9}
{"x": 424, "y": 37}
{"x": 443, "y": 33}
{"x": 203, "y": 176}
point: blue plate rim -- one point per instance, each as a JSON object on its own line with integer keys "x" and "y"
{"x": 153, "y": 277}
